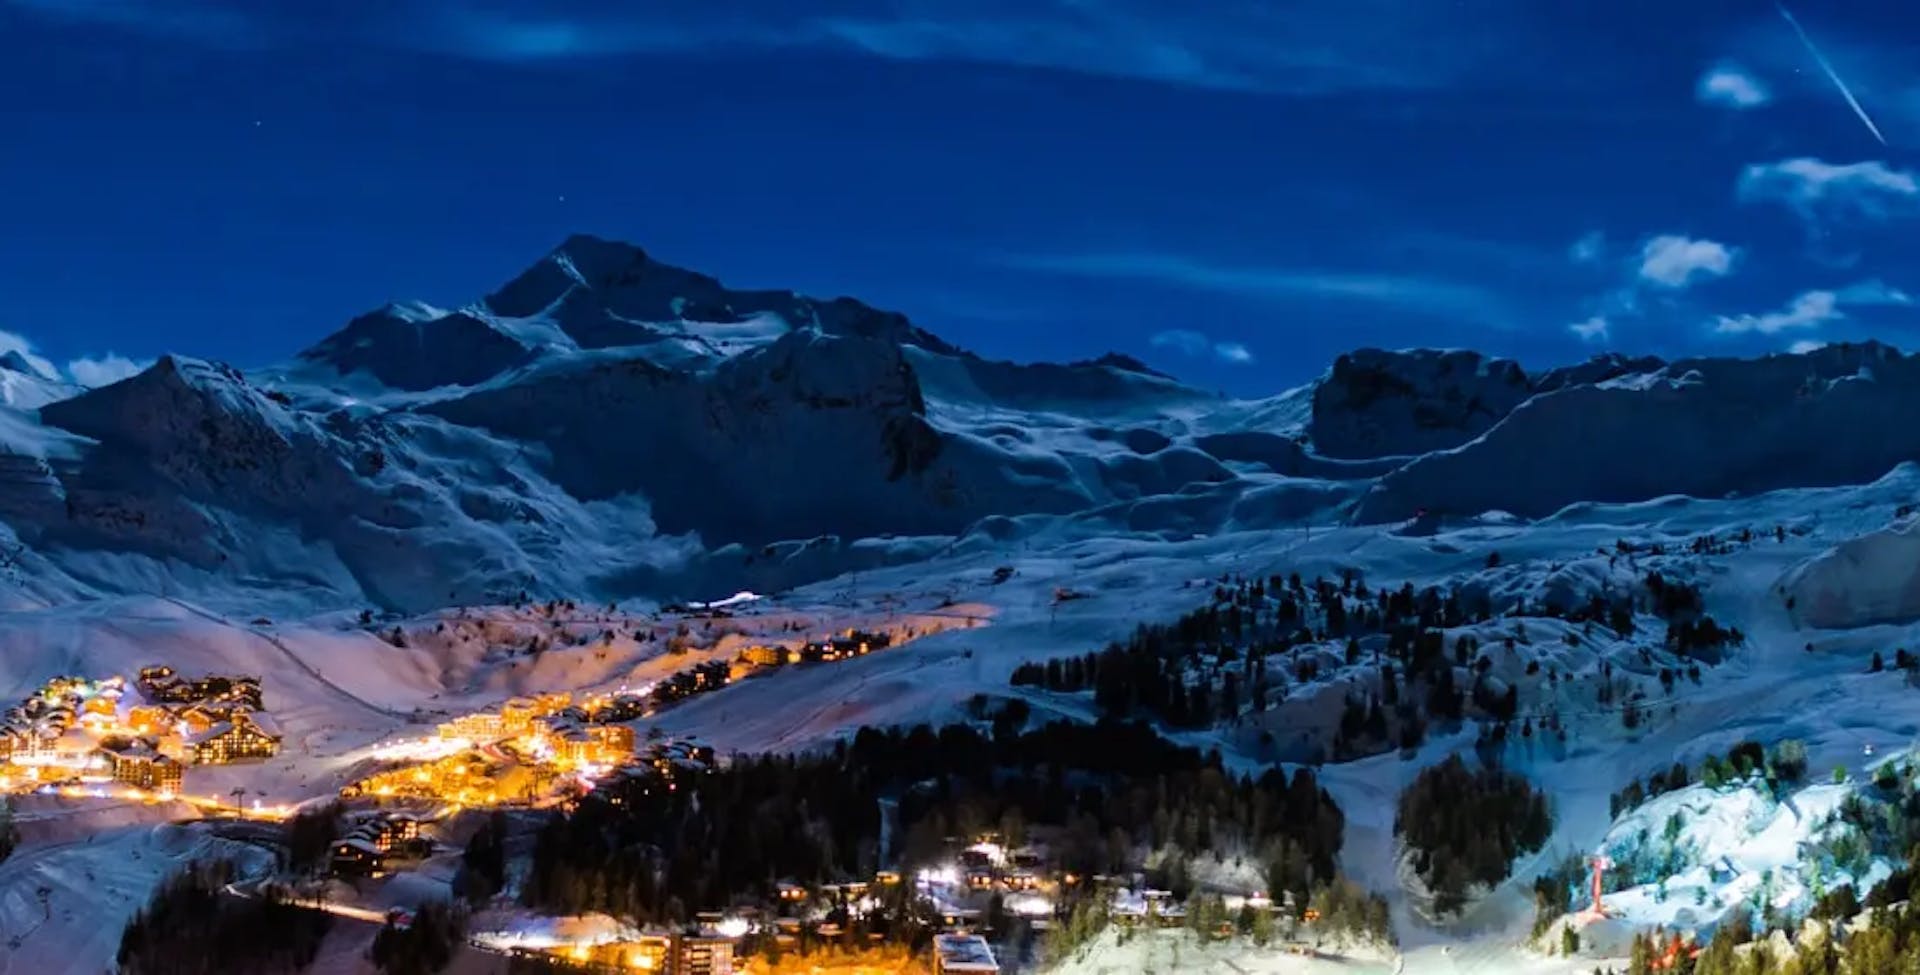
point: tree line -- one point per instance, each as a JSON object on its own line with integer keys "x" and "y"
{"x": 1101, "y": 793}
{"x": 1464, "y": 827}
{"x": 191, "y": 926}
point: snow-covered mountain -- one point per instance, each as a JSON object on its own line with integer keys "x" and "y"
{"x": 608, "y": 425}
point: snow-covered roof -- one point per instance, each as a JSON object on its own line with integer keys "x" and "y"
{"x": 266, "y": 724}
{"x": 964, "y": 953}
{"x": 213, "y": 731}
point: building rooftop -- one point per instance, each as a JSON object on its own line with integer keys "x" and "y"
{"x": 213, "y": 731}
{"x": 964, "y": 953}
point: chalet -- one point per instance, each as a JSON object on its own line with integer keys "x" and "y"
{"x": 367, "y": 848}
{"x": 485, "y": 726}
{"x": 244, "y": 735}
{"x": 765, "y": 656}
{"x": 98, "y": 712}
{"x": 853, "y": 643}
{"x": 197, "y": 718}
{"x": 138, "y": 763}
{"x": 161, "y": 685}
{"x": 150, "y": 719}
{"x": 588, "y": 744}
{"x": 624, "y": 706}
{"x": 357, "y": 856}
{"x": 392, "y": 833}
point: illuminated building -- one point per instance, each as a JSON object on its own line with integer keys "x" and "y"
{"x": 366, "y": 848}
{"x": 485, "y": 727}
{"x": 150, "y": 719}
{"x": 244, "y": 735}
{"x": 358, "y": 856}
{"x": 699, "y": 953}
{"x": 594, "y": 744}
{"x": 138, "y": 763}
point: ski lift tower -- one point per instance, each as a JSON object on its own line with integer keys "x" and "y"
{"x": 1601, "y": 863}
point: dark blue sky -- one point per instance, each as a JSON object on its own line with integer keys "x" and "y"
{"x": 1235, "y": 196}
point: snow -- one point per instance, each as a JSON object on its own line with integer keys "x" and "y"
{"x": 1170, "y": 951}
{"x": 610, "y": 429}
{"x": 93, "y": 884}
{"x": 1728, "y": 841}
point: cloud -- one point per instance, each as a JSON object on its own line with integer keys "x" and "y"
{"x": 1816, "y": 189}
{"x": 1807, "y": 310}
{"x": 13, "y": 343}
{"x": 105, "y": 370}
{"x": 1232, "y": 352}
{"x": 1805, "y": 346}
{"x": 1191, "y": 343}
{"x": 1302, "y": 47}
{"x": 1873, "y": 292}
{"x": 1591, "y": 248}
{"x": 1731, "y": 86}
{"x": 1812, "y": 309}
{"x": 205, "y": 22}
{"x": 1673, "y": 261}
{"x": 1594, "y": 329}
{"x": 1398, "y": 290}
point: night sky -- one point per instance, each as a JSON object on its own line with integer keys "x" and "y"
{"x": 1235, "y": 196}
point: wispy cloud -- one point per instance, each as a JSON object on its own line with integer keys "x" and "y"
{"x": 104, "y": 370}
{"x": 1591, "y": 248}
{"x": 1303, "y": 47}
{"x": 1807, "y": 310}
{"x": 1728, "y": 85}
{"x": 1404, "y": 291}
{"x": 206, "y": 22}
{"x": 1813, "y": 309}
{"x": 1188, "y": 342}
{"x": 1817, "y": 189}
{"x": 85, "y": 370}
{"x": 1595, "y": 329}
{"x": 1673, "y": 261}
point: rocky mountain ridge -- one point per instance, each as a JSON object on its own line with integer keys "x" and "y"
{"x": 607, "y": 425}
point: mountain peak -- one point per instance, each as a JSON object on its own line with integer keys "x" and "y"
{"x": 13, "y": 360}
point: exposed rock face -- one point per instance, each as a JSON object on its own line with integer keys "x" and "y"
{"x": 1376, "y": 403}
{"x": 813, "y": 434}
{"x": 415, "y": 347}
{"x": 590, "y": 276}
{"x": 1701, "y": 427}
